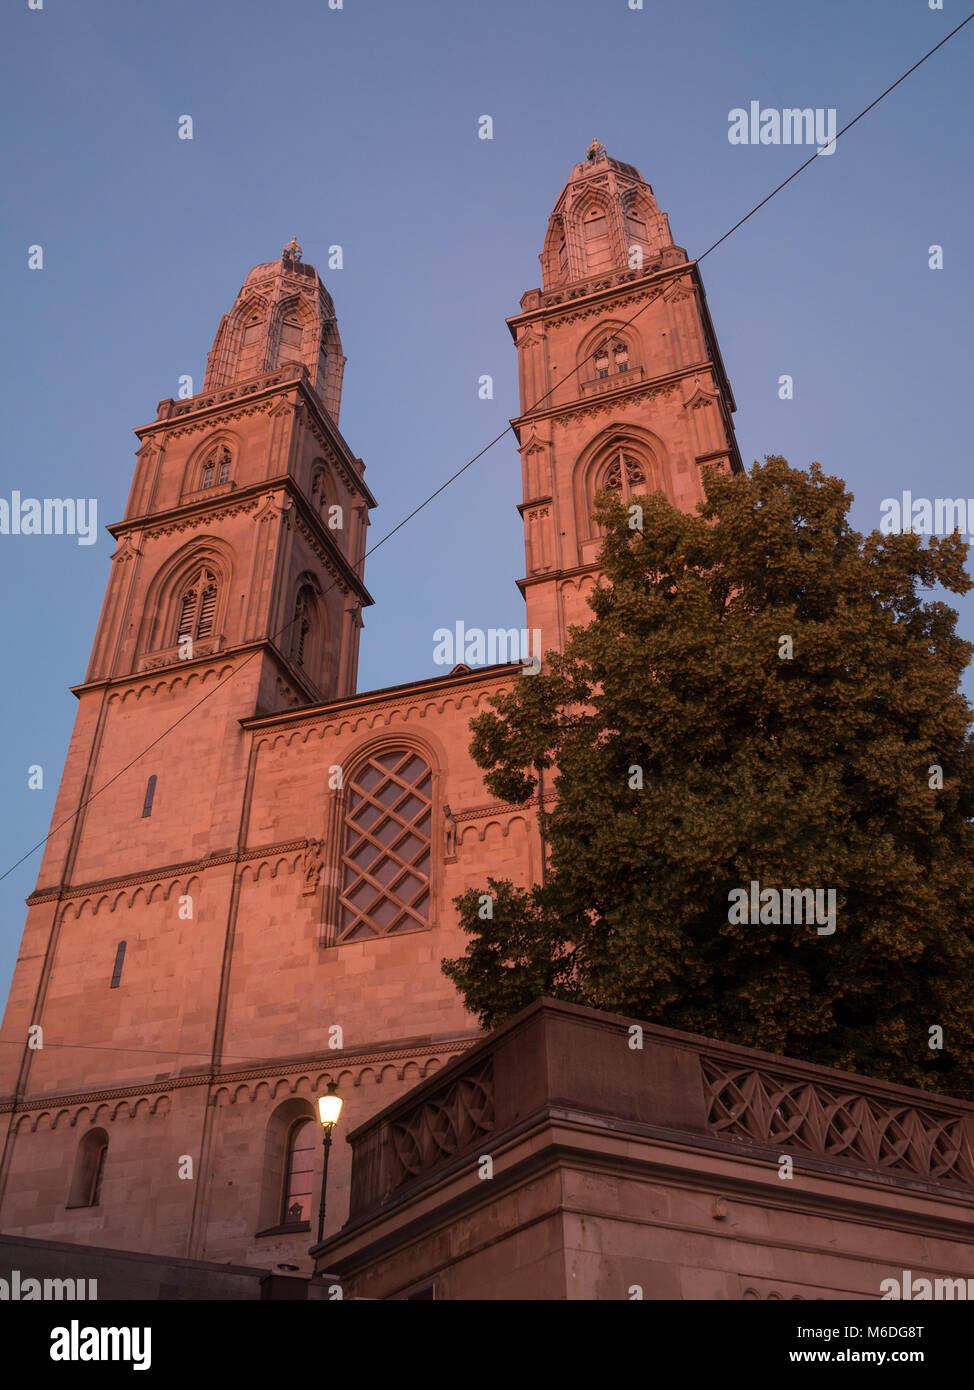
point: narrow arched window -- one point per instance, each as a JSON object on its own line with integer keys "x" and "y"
{"x": 302, "y": 627}
{"x": 386, "y": 846}
{"x": 119, "y": 962}
{"x": 150, "y": 791}
{"x": 89, "y": 1170}
{"x": 621, "y": 354}
{"x": 197, "y": 606}
{"x": 299, "y": 1173}
{"x": 99, "y": 1175}
{"x": 208, "y": 471}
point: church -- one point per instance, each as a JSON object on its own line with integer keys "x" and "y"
{"x": 249, "y": 887}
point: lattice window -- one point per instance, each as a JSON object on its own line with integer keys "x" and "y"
{"x": 386, "y": 849}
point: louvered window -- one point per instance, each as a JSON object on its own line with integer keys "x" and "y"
{"x": 207, "y": 610}
{"x": 197, "y": 607}
{"x": 386, "y": 847}
{"x": 186, "y": 614}
{"x": 305, "y": 618}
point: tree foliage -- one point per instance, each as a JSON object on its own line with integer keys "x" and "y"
{"x": 815, "y": 770}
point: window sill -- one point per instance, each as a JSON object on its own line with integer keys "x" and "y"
{"x": 202, "y": 647}
{"x": 291, "y": 1229}
{"x": 200, "y": 494}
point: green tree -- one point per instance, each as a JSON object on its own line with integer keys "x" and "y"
{"x": 695, "y": 753}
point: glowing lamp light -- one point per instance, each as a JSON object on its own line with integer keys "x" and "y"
{"x": 330, "y": 1107}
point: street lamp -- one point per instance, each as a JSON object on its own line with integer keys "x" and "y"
{"x": 329, "y": 1109}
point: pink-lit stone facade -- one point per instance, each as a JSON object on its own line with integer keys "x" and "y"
{"x": 247, "y": 523}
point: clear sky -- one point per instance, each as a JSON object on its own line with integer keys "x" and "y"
{"x": 359, "y": 126}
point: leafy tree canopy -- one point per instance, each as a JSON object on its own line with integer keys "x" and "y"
{"x": 693, "y": 755}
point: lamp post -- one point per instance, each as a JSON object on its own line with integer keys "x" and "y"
{"x": 329, "y": 1109}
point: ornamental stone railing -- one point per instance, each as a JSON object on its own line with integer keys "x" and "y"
{"x": 840, "y": 1122}
{"x": 556, "y": 1062}
{"x": 170, "y": 409}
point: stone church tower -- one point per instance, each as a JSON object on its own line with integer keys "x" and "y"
{"x": 622, "y": 383}
{"x": 249, "y": 888}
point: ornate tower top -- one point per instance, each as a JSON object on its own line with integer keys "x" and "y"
{"x": 283, "y": 316}
{"x": 606, "y": 220}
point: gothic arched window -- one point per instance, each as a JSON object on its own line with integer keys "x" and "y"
{"x": 197, "y": 606}
{"x": 624, "y": 475}
{"x": 299, "y": 1172}
{"x": 89, "y": 1170}
{"x": 386, "y": 846}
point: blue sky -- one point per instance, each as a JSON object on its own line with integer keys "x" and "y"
{"x": 359, "y": 126}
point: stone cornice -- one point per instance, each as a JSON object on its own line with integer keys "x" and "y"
{"x": 204, "y": 509}
{"x": 501, "y": 808}
{"x": 386, "y": 698}
{"x": 219, "y": 661}
{"x": 67, "y": 893}
{"x": 629, "y": 289}
{"x": 612, "y": 400}
{"x": 326, "y": 1061}
{"x": 191, "y": 866}
{"x": 546, "y": 576}
{"x": 255, "y": 397}
{"x": 543, "y": 1135}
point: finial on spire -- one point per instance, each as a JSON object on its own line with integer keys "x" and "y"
{"x": 595, "y": 151}
{"x": 292, "y": 250}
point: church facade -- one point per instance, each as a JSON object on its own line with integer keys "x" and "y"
{"x": 250, "y": 887}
